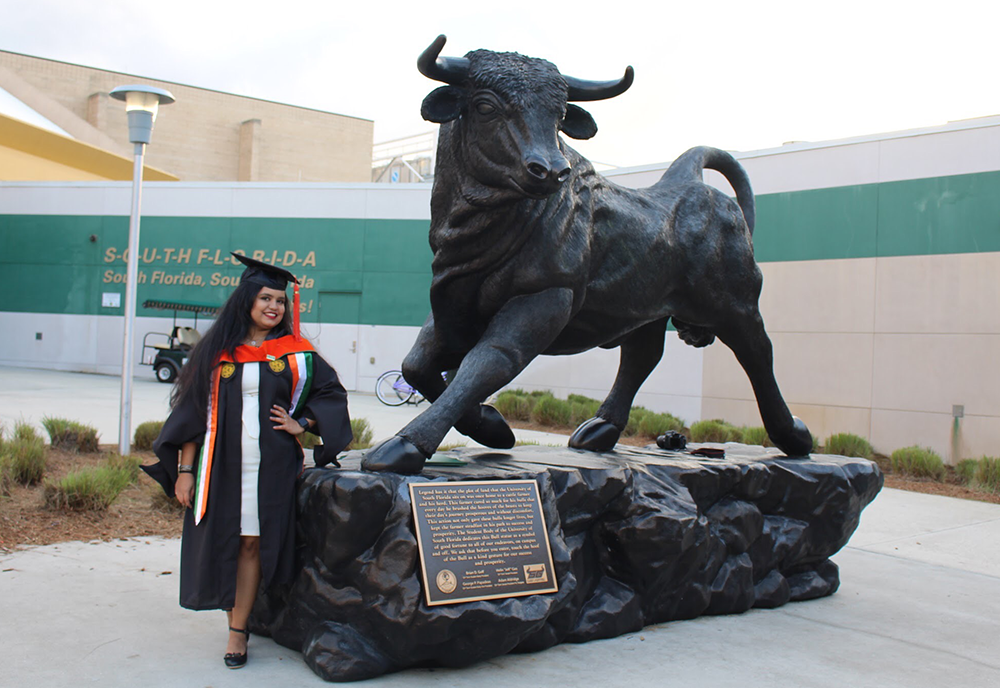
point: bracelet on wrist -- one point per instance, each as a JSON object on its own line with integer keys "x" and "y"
{"x": 185, "y": 468}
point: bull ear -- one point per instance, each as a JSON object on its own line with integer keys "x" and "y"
{"x": 578, "y": 124}
{"x": 443, "y": 104}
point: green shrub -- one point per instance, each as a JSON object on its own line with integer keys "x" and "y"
{"x": 755, "y": 435}
{"x": 581, "y": 408}
{"x": 145, "y": 434}
{"x": 159, "y": 500}
{"x": 988, "y": 473}
{"x": 537, "y": 393}
{"x": 635, "y": 417}
{"x": 514, "y": 406}
{"x": 551, "y": 411}
{"x": 847, "y": 444}
{"x": 918, "y": 462}
{"x": 363, "y": 434}
{"x": 6, "y": 479}
{"x": 25, "y": 431}
{"x": 308, "y": 440}
{"x": 653, "y": 425}
{"x": 24, "y": 459}
{"x": 715, "y": 431}
{"x": 128, "y": 465}
{"x": 69, "y": 435}
{"x": 452, "y": 445}
{"x": 92, "y": 489}
{"x": 966, "y": 470}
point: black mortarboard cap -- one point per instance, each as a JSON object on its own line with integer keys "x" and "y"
{"x": 264, "y": 274}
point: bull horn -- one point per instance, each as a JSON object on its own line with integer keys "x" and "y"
{"x": 450, "y": 70}
{"x": 581, "y": 89}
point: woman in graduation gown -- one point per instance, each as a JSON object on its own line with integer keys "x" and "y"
{"x": 229, "y": 450}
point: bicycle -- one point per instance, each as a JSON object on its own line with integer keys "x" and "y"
{"x": 392, "y": 390}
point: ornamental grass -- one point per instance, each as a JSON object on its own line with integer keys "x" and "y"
{"x": 755, "y": 435}
{"x": 70, "y": 435}
{"x": 159, "y": 500}
{"x": 6, "y": 479}
{"x": 308, "y": 440}
{"x": 965, "y": 470}
{"x": 128, "y": 465}
{"x": 847, "y": 444}
{"x": 581, "y": 408}
{"x": 145, "y": 434}
{"x": 551, "y": 411}
{"x": 363, "y": 433}
{"x": 715, "y": 430}
{"x": 25, "y": 431}
{"x": 92, "y": 489}
{"x": 917, "y": 462}
{"x": 652, "y": 425}
{"x": 515, "y": 404}
{"x": 987, "y": 474}
{"x": 22, "y": 460}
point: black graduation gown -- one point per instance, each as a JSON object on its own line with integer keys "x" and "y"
{"x": 209, "y": 550}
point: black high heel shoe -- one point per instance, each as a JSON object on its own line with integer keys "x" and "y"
{"x": 235, "y": 660}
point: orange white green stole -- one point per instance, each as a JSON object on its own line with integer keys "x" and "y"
{"x": 299, "y": 356}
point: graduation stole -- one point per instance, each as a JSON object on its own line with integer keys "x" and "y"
{"x": 298, "y": 353}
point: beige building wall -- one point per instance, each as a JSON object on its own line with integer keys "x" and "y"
{"x": 905, "y": 340}
{"x": 882, "y": 346}
{"x": 823, "y": 348}
{"x": 206, "y": 135}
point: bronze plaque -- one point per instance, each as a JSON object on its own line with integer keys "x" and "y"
{"x": 481, "y": 540}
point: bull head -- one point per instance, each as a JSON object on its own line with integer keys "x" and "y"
{"x": 510, "y": 109}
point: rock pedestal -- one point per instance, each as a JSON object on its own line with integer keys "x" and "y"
{"x": 638, "y": 536}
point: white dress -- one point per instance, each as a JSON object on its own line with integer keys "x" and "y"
{"x": 250, "y": 443}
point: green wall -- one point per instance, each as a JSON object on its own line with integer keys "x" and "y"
{"x": 956, "y": 214}
{"x": 378, "y": 271}
{"x": 62, "y": 264}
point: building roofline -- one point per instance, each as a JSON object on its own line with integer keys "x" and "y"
{"x": 983, "y": 122}
{"x": 178, "y": 83}
{"x": 43, "y": 143}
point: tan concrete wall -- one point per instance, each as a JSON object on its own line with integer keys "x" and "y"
{"x": 880, "y": 347}
{"x": 198, "y": 137}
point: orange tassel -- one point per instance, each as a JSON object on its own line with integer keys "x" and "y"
{"x": 295, "y": 315}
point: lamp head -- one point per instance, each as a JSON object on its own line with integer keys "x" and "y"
{"x": 141, "y": 105}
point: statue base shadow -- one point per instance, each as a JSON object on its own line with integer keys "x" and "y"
{"x": 638, "y": 536}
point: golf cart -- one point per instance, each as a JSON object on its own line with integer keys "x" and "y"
{"x": 169, "y": 356}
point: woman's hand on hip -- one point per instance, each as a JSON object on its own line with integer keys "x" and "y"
{"x": 284, "y": 421}
{"x": 184, "y": 489}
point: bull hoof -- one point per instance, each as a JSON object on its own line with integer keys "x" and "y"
{"x": 798, "y": 442}
{"x": 491, "y": 430}
{"x": 596, "y": 434}
{"x": 394, "y": 455}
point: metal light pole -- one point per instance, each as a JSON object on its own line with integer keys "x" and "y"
{"x": 141, "y": 104}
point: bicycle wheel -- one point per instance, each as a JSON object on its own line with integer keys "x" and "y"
{"x": 391, "y": 389}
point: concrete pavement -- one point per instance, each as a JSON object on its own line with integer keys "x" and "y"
{"x": 919, "y": 605}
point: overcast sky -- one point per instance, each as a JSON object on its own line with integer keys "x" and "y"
{"x": 736, "y": 75}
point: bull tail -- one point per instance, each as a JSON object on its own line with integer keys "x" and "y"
{"x": 690, "y": 165}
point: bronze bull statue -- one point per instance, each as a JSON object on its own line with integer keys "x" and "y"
{"x": 536, "y": 253}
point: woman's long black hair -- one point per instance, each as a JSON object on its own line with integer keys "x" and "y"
{"x": 226, "y": 333}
